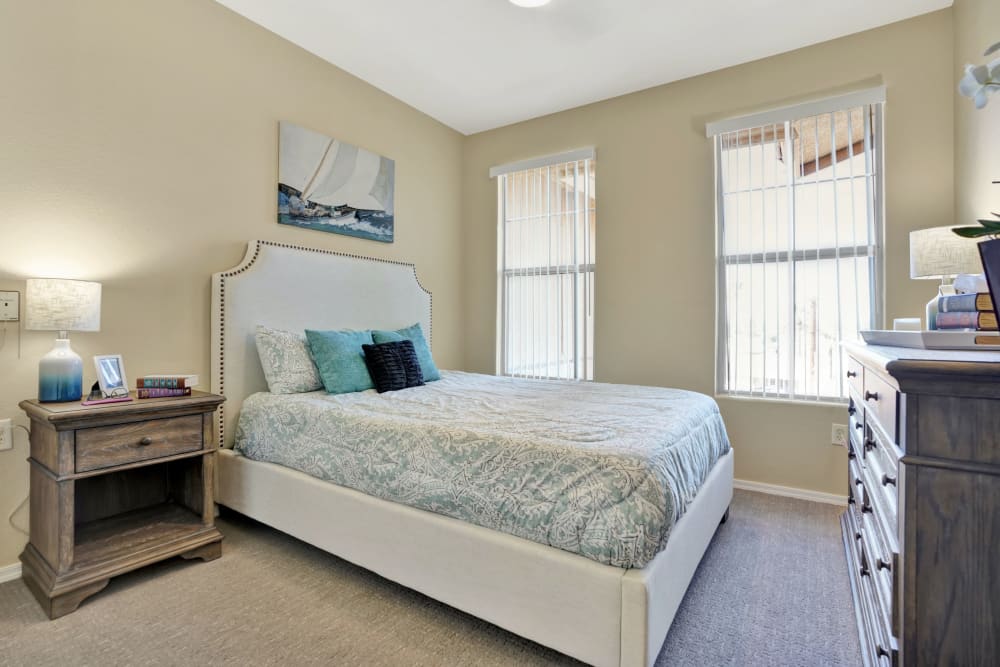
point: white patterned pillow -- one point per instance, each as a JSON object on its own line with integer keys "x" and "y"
{"x": 288, "y": 365}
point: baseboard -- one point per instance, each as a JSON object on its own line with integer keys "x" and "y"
{"x": 790, "y": 492}
{"x": 10, "y": 572}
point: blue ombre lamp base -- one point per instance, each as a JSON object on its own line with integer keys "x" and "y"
{"x": 60, "y": 374}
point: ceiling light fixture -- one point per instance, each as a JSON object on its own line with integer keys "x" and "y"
{"x": 529, "y": 3}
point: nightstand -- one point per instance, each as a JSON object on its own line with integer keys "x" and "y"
{"x": 116, "y": 487}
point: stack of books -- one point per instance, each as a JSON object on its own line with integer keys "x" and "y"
{"x": 165, "y": 386}
{"x": 966, "y": 312}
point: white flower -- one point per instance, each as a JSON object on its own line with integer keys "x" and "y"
{"x": 980, "y": 81}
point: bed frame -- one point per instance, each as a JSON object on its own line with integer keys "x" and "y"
{"x": 600, "y": 614}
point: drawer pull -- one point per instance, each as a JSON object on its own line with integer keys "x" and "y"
{"x": 886, "y": 480}
{"x": 881, "y": 652}
{"x": 871, "y": 396}
{"x": 851, "y": 455}
{"x": 869, "y": 445}
{"x": 851, "y": 410}
{"x": 859, "y": 426}
{"x": 146, "y": 441}
{"x": 866, "y": 507}
{"x": 865, "y": 572}
{"x": 852, "y": 374}
{"x": 883, "y": 565}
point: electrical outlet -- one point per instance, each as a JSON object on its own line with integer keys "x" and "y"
{"x": 6, "y": 441}
{"x": 838, "y": 436}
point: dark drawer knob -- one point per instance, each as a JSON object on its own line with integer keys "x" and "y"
{"x": 886, "y": 480}
{"x": 881, "y": 652}
{"x": 871, "y": 395}
{"x": 851, "y": 410}
{"x": 865, "y": 571}
{"x": 883, "y": 565}
{"x": 859, "y": 426}
{"x": 146, "y": 441}
{"x": 852, "y": 374}
{"x": 869, "y": 445}
{"x": 866, "y": 507}
{"x": 851, "y": 455}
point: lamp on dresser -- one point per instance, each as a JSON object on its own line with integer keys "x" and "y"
{"x": 55, "y": 304}
{"x": 938, "y": 254}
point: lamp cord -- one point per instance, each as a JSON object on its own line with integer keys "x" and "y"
{"x": 10, "y": 517}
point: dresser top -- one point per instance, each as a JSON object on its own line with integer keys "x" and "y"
{"x": 915, "y": 369}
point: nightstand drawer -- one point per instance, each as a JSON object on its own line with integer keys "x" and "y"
{"x": 107, "y": 446}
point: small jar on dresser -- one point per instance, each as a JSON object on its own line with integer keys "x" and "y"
{"x": 116, "y": 487}
{"x": 922, "y": 527}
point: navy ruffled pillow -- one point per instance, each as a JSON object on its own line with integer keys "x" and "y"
{"x": 393, "y": 365}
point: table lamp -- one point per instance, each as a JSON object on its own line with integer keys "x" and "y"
{"x": 54, "y": 304}
{"x": 938, "y": 253}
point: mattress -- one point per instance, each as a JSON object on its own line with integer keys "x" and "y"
{"x": 600, "y": 470}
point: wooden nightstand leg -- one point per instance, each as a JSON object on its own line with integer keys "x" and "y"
{"x": 206, "y": 553}
{"x": 60, "y": 605}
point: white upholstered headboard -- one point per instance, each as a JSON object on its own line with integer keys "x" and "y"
{"x": 295, "y": 288}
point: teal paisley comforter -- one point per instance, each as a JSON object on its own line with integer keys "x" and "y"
{"x": 600, "y": 470}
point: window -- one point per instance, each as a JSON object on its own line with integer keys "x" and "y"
{"x": 799, "y": 195}
{"x": 547, "y": 218}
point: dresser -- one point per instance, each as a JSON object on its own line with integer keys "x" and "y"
{"x": 922, "y": 526}
{"x": 116, "y": 487}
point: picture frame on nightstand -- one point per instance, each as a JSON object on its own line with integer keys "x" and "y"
{"x": 111, "y": 375}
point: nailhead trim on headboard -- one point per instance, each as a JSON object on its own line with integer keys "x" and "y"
{"x": 246, "y": 264}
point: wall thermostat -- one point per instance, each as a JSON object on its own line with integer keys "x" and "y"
{"x": 10, "y": 306}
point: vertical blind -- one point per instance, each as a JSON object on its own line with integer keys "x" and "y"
{"x": 547, "y": 220}
{"x": 799, "y": 235}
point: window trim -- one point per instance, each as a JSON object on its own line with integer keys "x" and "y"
{"x": 873, "y": 98}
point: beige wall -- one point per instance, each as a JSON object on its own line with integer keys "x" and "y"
{"x": 138, "y": 147}
{"x": 977, "y": 132}
{"x": 655, "y": 243}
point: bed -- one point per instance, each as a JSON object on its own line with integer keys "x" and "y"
{"x": 605, "y": 606}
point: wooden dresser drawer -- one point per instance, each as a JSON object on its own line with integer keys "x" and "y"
{"x": 106, "y": 446}
{"x": 880, "y": 397}
{"x": 855, "y": 375}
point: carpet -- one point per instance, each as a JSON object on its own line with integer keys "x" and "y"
{"x": 771, "y": 590}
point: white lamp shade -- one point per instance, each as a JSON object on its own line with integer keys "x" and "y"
{"x": 940, "y": 253}
{"x": 55, "y": 304}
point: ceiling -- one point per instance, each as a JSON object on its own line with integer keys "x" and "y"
{"x": 479, "y": 64}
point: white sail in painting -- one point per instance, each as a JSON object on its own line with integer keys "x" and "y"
{"x": 332, "y": 186}
{"x": 332, "y": 173}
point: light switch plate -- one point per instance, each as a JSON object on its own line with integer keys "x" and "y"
{"x": 10, "y": 306}
{"x": 6, "y": 438}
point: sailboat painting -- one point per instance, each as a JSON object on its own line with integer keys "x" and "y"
{"x": 332, "y": 186}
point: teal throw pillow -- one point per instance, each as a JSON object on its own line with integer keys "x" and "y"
{"x": 340, "y": 359}
{"x": 423, "y": 350}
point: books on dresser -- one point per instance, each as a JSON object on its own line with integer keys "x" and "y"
{"x": 165, "y": 386}
{"x": 162, "y": 393}
{"x": 980, "y": 321}
{"x": 966, "y": 311}
{"x": 965, "y": 303}
{"x": 180, "y": 381}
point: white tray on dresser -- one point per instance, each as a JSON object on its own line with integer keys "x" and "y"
{"x": 932, "y": 340}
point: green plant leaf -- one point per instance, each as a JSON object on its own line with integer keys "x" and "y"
{"x": 972, "y": 232}
{"x": 992, "y": 225}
